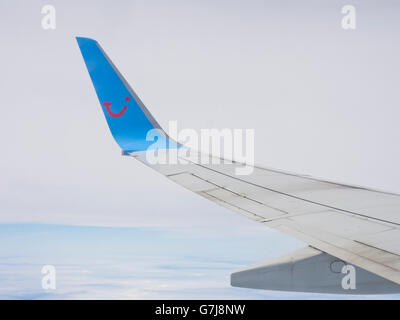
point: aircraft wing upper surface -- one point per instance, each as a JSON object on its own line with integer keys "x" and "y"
{"x": 342, "y": 224}
{"x": 356, "y": 225}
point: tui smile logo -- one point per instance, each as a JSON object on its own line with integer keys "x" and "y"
{"x": 113, "y": 114}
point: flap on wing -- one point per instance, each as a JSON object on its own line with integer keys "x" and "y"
{"x": 311, "y": 270}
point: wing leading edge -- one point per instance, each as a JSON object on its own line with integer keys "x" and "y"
{"x": 353, "y": 225}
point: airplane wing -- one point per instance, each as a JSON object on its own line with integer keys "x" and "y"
{"x": 352, "y": 232}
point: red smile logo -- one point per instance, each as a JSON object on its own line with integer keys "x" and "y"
{"x": 113, "y": 114}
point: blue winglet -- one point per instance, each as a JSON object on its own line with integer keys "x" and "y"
{"x": 127, "y": 117}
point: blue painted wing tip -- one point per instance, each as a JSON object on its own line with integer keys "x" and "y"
{"x": 84, "y": 39}
{"x": 127, "y": 117}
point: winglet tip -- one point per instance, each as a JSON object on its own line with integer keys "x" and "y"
{"x": 82, "y": 40}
